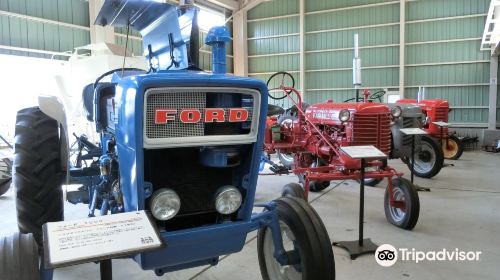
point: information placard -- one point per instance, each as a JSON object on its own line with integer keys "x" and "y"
{"x": 443, "y": 124}
{"x": 359, "y": 152}
{"x": 98, "y": 238}
{"x": 412, "y": 131}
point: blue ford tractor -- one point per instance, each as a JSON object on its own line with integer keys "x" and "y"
{"x": 175, "y": 141}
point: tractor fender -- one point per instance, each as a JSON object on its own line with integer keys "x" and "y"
{"x": 54, "y": 108}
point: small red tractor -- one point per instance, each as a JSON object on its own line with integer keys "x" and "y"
{"x": 436, "y": 110}
{"x": 314, "y": 137}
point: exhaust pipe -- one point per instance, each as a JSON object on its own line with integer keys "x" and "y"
{"x": 218, "y": 37}
{"x": 420, "y": 94}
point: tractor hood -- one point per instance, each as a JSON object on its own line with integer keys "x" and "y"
{"x": 328, "y": 112}
{"x": 161, "y": 25}
{"x": 426, "y": 103}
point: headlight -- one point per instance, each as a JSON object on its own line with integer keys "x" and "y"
{"x": 165, "y": 204}
{"x": 396, "y": 111}
{"x": 344, "y": 115}
{"x": 228, "y": 200}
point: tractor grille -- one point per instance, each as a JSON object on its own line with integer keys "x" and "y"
{"x": 408, "y": 123}
{"x": 441, "y": 115}
{"x": 372, "y": 129}
{"x": 175, "y": 128}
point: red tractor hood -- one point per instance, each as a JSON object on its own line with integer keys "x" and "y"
{"x": 328, "y": 112}
{"x": 426, "y": 103}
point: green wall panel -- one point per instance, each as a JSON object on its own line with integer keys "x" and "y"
{"x": 273, "y": 27}
{"x": 273, "y": 45}
{"x": 274, "y": 8}
{"x": 317, "y": 5}
{"x": 312, "y": 97}
{"x": 352, "y": 18}
{"x": 343, "y": 79}
{"x": 343, "y": 59}
{"x": 447, "y": 74}
{"x": 445, "y": 52}
{"x": 67, "y": 11}
{"x": 445, "y": 29}
{"x": 426, "y": 9}
{"x": 23, "y": 33}
{"x": 274, "y": 63}
{"x": 344, "y": 39}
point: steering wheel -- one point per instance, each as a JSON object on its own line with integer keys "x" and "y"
{"x": 360, "y": 99}
{"x": 284, "y": 76}
{"x": 378, "y": 95}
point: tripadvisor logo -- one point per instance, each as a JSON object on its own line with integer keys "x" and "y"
{"x": 387, "y": 255}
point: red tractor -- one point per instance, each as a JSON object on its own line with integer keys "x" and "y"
{"x": 314, "y": 137}
{"x": 436, "y": 110}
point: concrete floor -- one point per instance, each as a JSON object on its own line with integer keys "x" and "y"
{"x": 462, "y": 211}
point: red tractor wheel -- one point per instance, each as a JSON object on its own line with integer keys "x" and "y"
{"x": 453, "y": 148}
{"x": 406, "y": 215}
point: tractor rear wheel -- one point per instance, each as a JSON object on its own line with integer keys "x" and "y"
{"x": 286, "y": 159}
{"x": 304, "y": 238}
{"x": 453, "y": 148}
{"x": 407, "y": 216}
{"x": 37, "y": 171}
{"x": 293, "y": 190}
{"x": 429, "y": 160}
{"x": 19, "y": 257}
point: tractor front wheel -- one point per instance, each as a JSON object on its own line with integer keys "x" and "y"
{"x": 19, "y": 257}
{"x": 453, "y": 148}
{"x": 305, "y": 240}
{"x": 37, "y": 171}
{"x": 293, "y": 190}
{"x": 405, "y": 215}
{"x": 429, "y": 160}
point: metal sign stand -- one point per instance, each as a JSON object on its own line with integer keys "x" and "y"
{"x": 363, "y": 245}
{"x": 412, "y": 132}
{"x": 99, "y": 239}
{"x": 442, "y": 125}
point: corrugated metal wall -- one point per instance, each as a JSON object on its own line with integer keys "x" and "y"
{"x": 441, "y": 51}
{"x": 43, "y": 28}
{"x": 48, "y": 25}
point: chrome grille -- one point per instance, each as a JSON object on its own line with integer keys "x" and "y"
{"x": 373, "y": 129}
{"x": 408, "y": 123}
{"x": 175, "y": 128}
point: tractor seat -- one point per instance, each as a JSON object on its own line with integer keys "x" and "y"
{"x": 273, "y": 110}
{"x": 88, "y": 101}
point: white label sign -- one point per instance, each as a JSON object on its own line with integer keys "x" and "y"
{"x": 412, "y": 131}
{"x": 444, "y": 124}
{"x": 103, "y": 237}
{"x": 363, "y": 152}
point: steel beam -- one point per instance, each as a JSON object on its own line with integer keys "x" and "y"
{"x": 302, "y": 48}
{"x": 240, "y": 44}
{"x": 402, "y": 18}
{"x": 232, "y": 5}
{"x": 99, "y": 34}
{"x": 493, "y": 93}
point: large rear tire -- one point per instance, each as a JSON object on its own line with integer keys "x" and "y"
{"x": 37, "y": 172}
{"x": 430, "y": 159}
{"x": 402, "y": 190}
{"x": 19, "y": 257}
{"x": 454, "y": 149}
{"x": 304, "y": 236}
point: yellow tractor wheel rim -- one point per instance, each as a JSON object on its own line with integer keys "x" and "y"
{"x": 451, "y": 149}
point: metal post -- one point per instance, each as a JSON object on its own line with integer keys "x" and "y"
{"x": 356, "y": 67}
{"x": 361, "y": 202}
{"x": 412, "y": 157}
{"x": 106, "y": 268}
{"x": 402, "y": 25}
{"x": 302, "y": 49}
{"x": 492, "y": 107}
